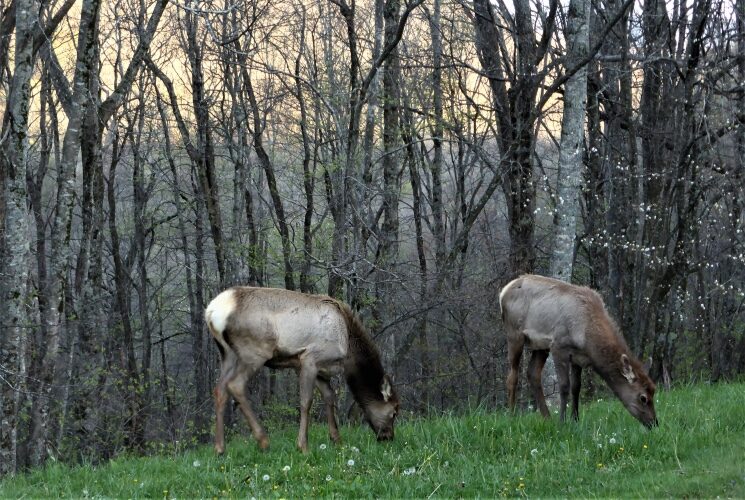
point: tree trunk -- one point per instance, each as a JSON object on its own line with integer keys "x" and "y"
{"x": 572, "y": 141}
{"x": 13, "y": 158}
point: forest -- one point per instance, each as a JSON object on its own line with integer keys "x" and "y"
{"x": 409, "y": 157}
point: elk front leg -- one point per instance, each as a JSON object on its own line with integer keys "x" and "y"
{"x": 329, "y": 398}
{"x": 576, "y": 385}
{"x": 535, "y": 369}
{"x": 308, "y": 374}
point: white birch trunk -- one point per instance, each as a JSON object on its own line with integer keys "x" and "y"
{"x": 570, "y": 155}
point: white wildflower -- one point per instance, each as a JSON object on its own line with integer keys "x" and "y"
{"x": 286, "y": 468}
{"x": 612, "y": 440}
{"x": 409, "y": 471}
{"x": 355, "y": 449}
{"x": 265, "y": 477}
{"x": 350, "y": 462}
{"x": 322, "y": 446}
{"x": 328, "y": 478}
{"x": 534, "y": 452}
{"x": 196, "y": 463}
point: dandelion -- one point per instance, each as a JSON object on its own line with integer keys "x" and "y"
{"x": 645, "y": 446}
{"x": 286, "y": 468}
{"x": 196, "y": 463}
{"x": 612, "y": 440}
{"x": 534, "y": 452}
{"x": 355, "y": 449}
{"x": 350, "y": 462}
{"x": 600, "y": 466}
{"x": 328, "y": 478}
{"x": 600, "y": 445}
{"x": 322, "y": 446}
{"x": 265, "y": 477}
{"x": 409, "y": 471}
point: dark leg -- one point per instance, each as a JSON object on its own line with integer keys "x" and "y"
{"x": 329, "y": 398}
{"x": 535, "y": 369}
{"x": 576, "y": 385}
{"x": 237, "y": 388}
{"x": 514, "y": 354}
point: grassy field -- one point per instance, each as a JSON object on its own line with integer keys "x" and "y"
{"x": 697, "y": 451}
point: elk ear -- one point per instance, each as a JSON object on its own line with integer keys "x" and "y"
{"x": 647, "y": 365}
{"x": 385, "y": 389}
{"x": 626, "y": 369}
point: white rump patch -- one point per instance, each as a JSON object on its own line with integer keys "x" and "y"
{"x": 219, "y": 309}
{"x": 504, "y": 290}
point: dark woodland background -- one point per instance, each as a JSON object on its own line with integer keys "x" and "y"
{"x": 408, "y": 158}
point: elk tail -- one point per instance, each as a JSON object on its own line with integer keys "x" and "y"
{"x": 216, "y": 316}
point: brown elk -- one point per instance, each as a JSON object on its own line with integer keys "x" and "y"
{"x": 571, "y": 323}
{"x": 317, "y": 336}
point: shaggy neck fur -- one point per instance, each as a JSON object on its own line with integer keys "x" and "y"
{"x": 363, "y": 369}
{"x": 607, "y": 359}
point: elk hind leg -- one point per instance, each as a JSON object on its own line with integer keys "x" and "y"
{"x": 514, "y": 354}
{"x": 237, "y": 388}
{"x": 576, "y": 384}
{"x": 324, "y": 385}
{"x": 562, "y": 373}
{"x": 227, "y": 372}
{"x": 535, "y": 369}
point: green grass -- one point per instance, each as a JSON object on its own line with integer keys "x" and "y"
{"x": 697, "y": 451}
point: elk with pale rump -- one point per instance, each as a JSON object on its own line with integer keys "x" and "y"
{"x": 571, "y": 323}
{"x": 317, "y": 336}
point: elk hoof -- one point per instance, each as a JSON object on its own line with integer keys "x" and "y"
{"x": 219, "y": 449}
{"x": 264, "y": 443}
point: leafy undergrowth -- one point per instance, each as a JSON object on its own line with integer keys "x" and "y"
{"x": 697, "y": 451}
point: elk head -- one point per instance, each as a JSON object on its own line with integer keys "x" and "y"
{"x": 381, "y": 413}
{"x": 636, "y": 391}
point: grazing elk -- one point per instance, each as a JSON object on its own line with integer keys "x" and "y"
{"x": 570, "y": 322}
{"x": 317, "y": 336}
